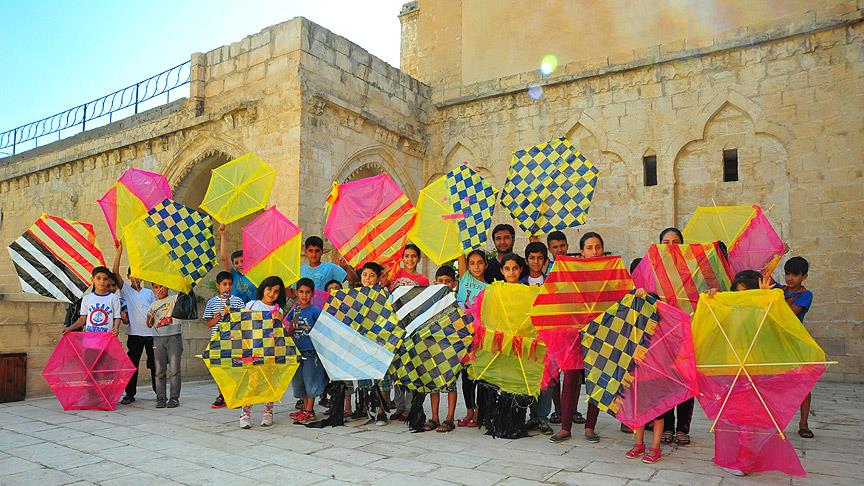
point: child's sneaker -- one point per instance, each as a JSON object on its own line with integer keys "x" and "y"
{"x": 381, "y": 419}
{"x": 544, "y": 428}
{"x": 267, "y": 419}
{"x": 636, "y": 451}
{"x": 245, "y": 422}
{"x": 218, "y": 403}
{"x": 306, "y": 416}
{"x": 652, "y": 456}
{"x": 295, "y": 416}
{"x": 161, "y": 402}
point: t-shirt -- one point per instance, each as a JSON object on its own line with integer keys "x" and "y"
{"x": 493, "y": 270}
{"x": 403, "y": 278}
{"x": 257, "y": 305}
{"x": 242, "y": 287}
{"x": 163, "y": 323}
{"x": 323, "y": 273}
{"x": 100, "y": 311}
{"x": 302, "y": 321}
{"x": 138, "y": 301}
{"x": 802, "y": 298}
{"x": 469, "y": 287}
{"x": 535, "y": 281}
{"x": 218, "y": 304}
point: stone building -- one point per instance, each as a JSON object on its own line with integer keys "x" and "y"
{"x": 636, "y": 87}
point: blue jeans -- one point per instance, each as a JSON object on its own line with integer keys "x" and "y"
{"x": 310, "y": 379}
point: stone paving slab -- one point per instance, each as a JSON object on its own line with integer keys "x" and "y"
{"x": 193, "y": 444}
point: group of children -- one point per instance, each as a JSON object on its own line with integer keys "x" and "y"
{"x": 152, "y": 327}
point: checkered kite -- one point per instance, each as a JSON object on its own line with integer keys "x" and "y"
{"x": 357, "y": 334}
{"x": 575, "y": 292}
{"x": 173, "y": 246}
{"x": 756, "y": 363}
{"x": 549, "y": 187}
{"x": 454, "y": 214}
{"x": 133, "y": 195}
{"x": 55, "y": 257}
{"x": 752, "y": 242}
{"x": 679, "y": 273}
{"x": 368, "y": 220}
{"x": 612, "y": 344}
{"x": 251, "y": 358}
{"x": 88, "y": 371}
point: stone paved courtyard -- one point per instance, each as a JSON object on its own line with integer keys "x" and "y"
{"x": 193, "y": 444}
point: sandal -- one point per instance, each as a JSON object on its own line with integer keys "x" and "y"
{"x": 805, "y": 433}
{"x": 431, "y": 425}
{"x": 578, "y": 418}
{"x": 682, "y": 438}
{"x": 667, "y": 437}
{"x": 471, "y": 423}
{"x": 446, "y": 426}
{"x": 463, "y": 422}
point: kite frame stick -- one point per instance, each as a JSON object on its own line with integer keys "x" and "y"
{"x": 90, "y": 371}
{"x": 725, "y": 231}
{"x": 488, "y": 365}
{"x": 754, "y": 365}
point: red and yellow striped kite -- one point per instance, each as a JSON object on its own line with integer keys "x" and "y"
{"x": 575, "y": 292}
{"x": 679, "y": 273}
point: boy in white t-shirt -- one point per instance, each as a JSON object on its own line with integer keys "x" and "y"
{"x": 100, "y": 310}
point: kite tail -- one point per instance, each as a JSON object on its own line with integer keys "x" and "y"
{"x": 337, "y": 408}
{"x": 502, "y": 414}
{"x": 417, "y": 416}
{"x": 487, "y": 398}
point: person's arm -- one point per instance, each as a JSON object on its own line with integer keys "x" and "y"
{"x": 75, "y": 326}
{"x": 150, "y": 317}
{"x": 223, "y": 248}
{"x": 463, "y": 265}
{"x": 116, "y": 329}
{"x": 214, "y": 320}
{"x": 118, "y": 252}
{"x": 350, "y": 273}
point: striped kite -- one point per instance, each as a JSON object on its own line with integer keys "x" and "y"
{"x": 55, "y": 258}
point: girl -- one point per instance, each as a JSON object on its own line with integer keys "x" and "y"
{"x": 270, "y": 297}
{"x": 408, "y": 274}
{"x": 591, "y": 246}
{"x": 512, "y": 266}
{"x": 471, "y": 283}
{"x": 680, "y": 434}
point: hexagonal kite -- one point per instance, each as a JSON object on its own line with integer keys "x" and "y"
{"x": 549, "y": 187}
{"x": 238, "y": 188}
{"x": 88, "y": 371}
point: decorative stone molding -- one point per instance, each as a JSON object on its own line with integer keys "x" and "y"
{"x": 381, "y": 159}
{"x": 386, "y": 137}
{"x": 317, "y": 105}
{"x": 203, "y": 144}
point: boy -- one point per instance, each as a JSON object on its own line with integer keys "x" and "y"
{"x": 557, "y": 243}
{"x": 216, "y": 308}
{"x": 445, "y": 275}
{"x": 100, "y": 309}
{"x": 537, "y": 257}
{"x": 167, "y": 346}
{"x": 370, "y": 276}
{"x": 799, "y": 300}
{"x": 139, "y": 337}
{"x": 322, "y": 272}
{"x": 310, "y": 379}
{"x": 242, "y": 287}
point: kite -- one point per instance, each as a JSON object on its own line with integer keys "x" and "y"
{"x": 88, "y": 371}
{"x": 454, "y": 214}
{"x": 55, "y": 258}
{"x": 238, "y": 188}
{"x": 173, "y": 246}
{"x": 612, "y": 344}
{"x": 357, "y": 334}
{"x": 549, "y": 187}
{"x": 272, "y": 246}
{"x": 415, "y": 305}
{"x": 679, "y": 273}
{"x": 369, "y": 220}
{"x": 251, "y": 358}
{"x": 756, "y": 363}
{"x": 752, "y": 242}
{"x": 575, "y": 292}
{"x": 508, "y": 355}
{"x": 133, "y": 195}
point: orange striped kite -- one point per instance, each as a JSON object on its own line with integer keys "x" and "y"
{"x": 576, "y": 291}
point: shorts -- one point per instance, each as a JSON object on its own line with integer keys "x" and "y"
{"x": 447, "y": 389}
{"x": 310, "y": 379}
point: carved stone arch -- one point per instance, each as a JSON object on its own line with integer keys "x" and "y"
{"x": 376, "y": 159}
{"x": 454, "y": 147}
{"x": 594, "y": 127}
{"x": 202, "y": 145}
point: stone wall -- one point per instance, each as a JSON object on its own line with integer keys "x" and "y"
{"x": 792, "y": 107}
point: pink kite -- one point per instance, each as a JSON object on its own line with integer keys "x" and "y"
{"x": 368, "y": 220}
{"x": 271, "y": 246}
{"x": 133, "y": 195}
{"x": 88, "y": 371}
{"x": 666, "y": 376}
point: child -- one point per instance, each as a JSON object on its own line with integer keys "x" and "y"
{"x": 537, "y": 257}
{"x": 654, "y": 452}
{"x": 333, "y": 286}
{"x": 219, "y": 305}
{"x": 242, "y": 287}
{"x": 167, "y": 346}
{"x": 471, "y": 283}
{"x": 445, "y": 275}
{"x": 408, "y": 274}
{"x": 100, "y": 310}
{"x": 310, "y": 379}
{"x": 799, "y": 300}
{"x": 270, "y": 297}
{"x": 557, "y": 244}
{"x": 323, "y": 272}
{"x": 512, "y": 266}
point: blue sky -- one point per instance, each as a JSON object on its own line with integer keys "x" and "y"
{"x": 58, "y": 54}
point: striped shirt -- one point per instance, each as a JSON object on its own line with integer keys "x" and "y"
{"x": 217, "y": 305}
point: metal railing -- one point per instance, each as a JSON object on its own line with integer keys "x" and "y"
{"x": 128, "y": 97}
